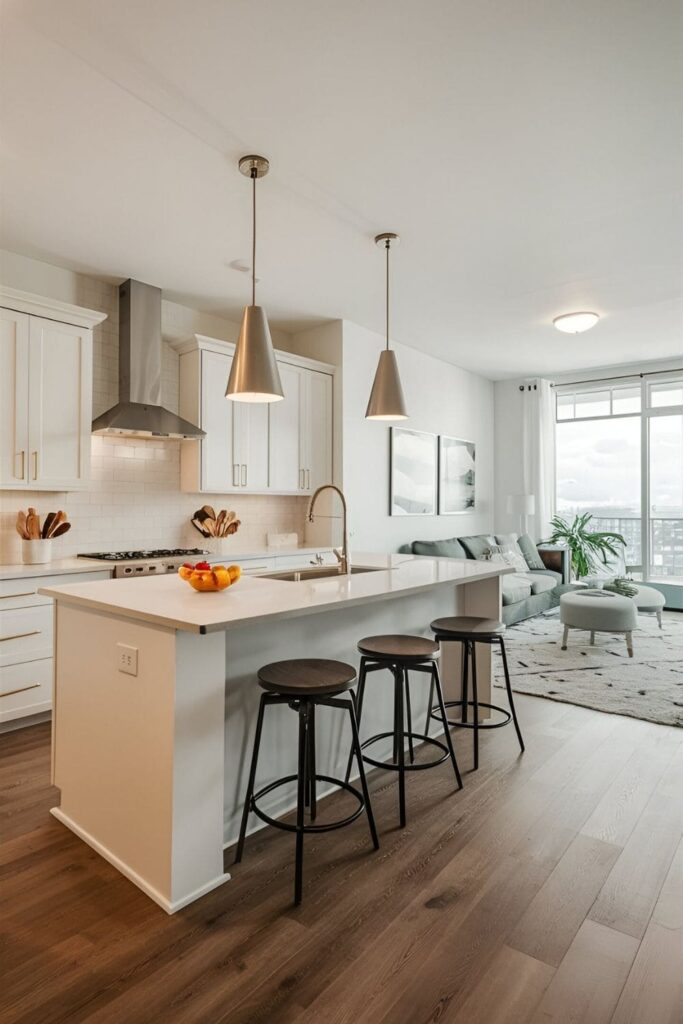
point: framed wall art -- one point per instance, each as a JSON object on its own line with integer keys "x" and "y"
{"x": 413, "y": 473}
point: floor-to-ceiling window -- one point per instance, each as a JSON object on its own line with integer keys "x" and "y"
{"x": 620, "y": 457}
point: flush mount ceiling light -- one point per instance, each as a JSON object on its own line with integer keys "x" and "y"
{"x": 575, "y": 323}
{"x": 386, "y": 398}
{"x": 254, "y": 376}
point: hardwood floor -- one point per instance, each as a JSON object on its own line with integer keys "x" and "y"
{"x": 549, "y": 890}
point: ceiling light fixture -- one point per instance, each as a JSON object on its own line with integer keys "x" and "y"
{"x": 386, "y": 398}
{"x": 254, "y": 376}
{"x": 575, "y": 323}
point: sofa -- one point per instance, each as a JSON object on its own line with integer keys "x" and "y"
{"x": 541, "y": 571}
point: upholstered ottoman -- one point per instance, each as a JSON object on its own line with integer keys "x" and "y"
{"x": 650, "y": 601}
{"x": 598, "y": 611}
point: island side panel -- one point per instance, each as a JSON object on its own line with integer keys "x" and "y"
{"x": 335, "y": 635}
{"x": 120, "y": 751}
{"x": 482, "y": 598}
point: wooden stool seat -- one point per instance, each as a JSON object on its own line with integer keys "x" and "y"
{"x": 307, "y": 677}
{"x": 467, "y": 626}
{"x": 393, "y": 647}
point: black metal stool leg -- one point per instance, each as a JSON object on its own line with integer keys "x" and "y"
{"x": 465, "y": 687}
{"x": 358, "y": 754}
{"x": 409, "y": 716}
{"x": 301, "y": 798}
{"x": 475, "y": 703}
{"x": 508, "y": 687}
{"x": 362, "y": 673}
{"x": 252, "y": 778}
{"x": 436, "y": 680}
{"x": 399, "y": 743}
{"x": 312, "y": 800}
{"x": 429, "y": 704}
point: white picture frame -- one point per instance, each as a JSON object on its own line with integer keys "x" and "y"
{"x": 413, "y": 474}
{"x": 457, "y": 476}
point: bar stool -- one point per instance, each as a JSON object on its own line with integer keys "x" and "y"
{"x": 400, "y": 654}
{"x": 471, "y": 630}
{"x": 304, "y": 684}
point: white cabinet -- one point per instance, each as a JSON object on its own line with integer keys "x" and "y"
{"x": 279, "y": 447}
{"x": 26, "y": 643}
{"x": 46, "y": 394}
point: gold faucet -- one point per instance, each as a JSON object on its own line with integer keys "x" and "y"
{"x": 343, "y": 556}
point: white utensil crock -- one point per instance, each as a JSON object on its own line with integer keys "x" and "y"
{"x": 35, "y": 552}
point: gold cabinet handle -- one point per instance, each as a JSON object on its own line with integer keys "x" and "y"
{"x": 308, "y": 479}
{"x": 301, "y": 479}
{"x": 31, "y": 686}
{"x": 235, "y": 474}
{"x": 35, "y": 465}
{"x": 244, "y": 476}
{"x": 18, "y": 636}
{"x": 21, "y": 476}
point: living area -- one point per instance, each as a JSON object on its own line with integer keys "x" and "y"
{"x": 589, "y": 486}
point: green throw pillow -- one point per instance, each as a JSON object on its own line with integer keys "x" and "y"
{"x": 530, "y": 552}
{"x": 478, "y": 546}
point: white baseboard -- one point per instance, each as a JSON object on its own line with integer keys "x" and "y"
{"x": 170, "y": 906}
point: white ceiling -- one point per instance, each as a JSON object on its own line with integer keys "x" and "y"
{"x": 529, "y": 154}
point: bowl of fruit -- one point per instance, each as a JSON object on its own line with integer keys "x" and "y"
{"x": 206, "y": 578}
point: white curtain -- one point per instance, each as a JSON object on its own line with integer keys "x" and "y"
{"x": 538, "y": 452}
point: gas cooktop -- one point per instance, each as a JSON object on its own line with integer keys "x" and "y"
{"x": 140, "y": 556}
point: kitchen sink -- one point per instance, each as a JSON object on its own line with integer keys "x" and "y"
{"x": 315, "y": 572}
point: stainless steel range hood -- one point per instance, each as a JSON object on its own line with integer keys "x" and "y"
{"x": 139, "y": 412}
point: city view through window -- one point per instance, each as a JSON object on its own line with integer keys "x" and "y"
{"x": 599, "y": 441}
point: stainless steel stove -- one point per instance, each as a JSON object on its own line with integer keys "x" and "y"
{"x": 146, "y": 563}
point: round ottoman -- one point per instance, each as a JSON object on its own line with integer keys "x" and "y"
{"x": 650, "y": 601}
{"x": 598, "y": 611}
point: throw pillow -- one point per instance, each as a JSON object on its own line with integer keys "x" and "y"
{"x": 451, "y": 548}
{"x": 530, "y": 552}
{"x": 478, "y": 545}
{"x": 514, "y": 557}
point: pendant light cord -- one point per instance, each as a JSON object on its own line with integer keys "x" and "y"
{"x": 253, "y": 235}
{"x": 387, "y": 246}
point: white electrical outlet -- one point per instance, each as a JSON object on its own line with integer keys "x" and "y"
{"x": 127, "y": 659}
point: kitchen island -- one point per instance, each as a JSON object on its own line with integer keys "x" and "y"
{"x": 155, "y": 699}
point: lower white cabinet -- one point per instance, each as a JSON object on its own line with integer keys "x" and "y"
{"x": 26, "y": 643}
{"x": 278, "y": 447}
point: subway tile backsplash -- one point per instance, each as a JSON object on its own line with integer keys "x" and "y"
{"x": 134, "y": 498}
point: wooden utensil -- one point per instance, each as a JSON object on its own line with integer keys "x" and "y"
{"x": 219, "y": 522}
{"x": 60, "y": 517}
{"x": 209, "y": 511}
{"x": 33, "y": 525}
{"x": 49, "y": 520}
{"x": 61, "y": 529}
{"x": 200, "y": 526}
{"x": 21, "y": 525}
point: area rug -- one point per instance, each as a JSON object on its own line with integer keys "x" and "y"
{"x": 603, "y": 677}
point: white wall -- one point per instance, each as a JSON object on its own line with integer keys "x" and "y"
{"x": 442, "y": 399}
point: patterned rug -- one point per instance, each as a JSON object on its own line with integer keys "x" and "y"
{"x": 603, "y": 677}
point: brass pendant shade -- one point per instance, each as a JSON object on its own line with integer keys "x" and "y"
{"x": 254, "y": 376}
{"x": 386, "y": 398}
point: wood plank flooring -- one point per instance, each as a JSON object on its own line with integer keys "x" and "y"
{"x": 549, "y": 891}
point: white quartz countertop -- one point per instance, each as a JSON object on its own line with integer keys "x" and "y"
{"x": 60, "y": 567}
{"x": 171, "y": 602}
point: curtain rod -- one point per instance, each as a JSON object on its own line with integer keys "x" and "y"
{"x": 601, "y": 380}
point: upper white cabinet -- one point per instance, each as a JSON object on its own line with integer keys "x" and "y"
{"x": 46, "y": 392}
{"x": 280, "y": 447}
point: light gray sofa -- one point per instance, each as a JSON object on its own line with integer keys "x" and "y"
{"x": 531, "y": 591}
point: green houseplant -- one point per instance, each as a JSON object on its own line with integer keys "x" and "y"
{"x": 589, "y": 549}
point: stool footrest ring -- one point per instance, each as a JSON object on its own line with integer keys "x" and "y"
{"x": 408, "y": 767}
{"x": 507, "y": 716}
{"x": 329, "y": 827}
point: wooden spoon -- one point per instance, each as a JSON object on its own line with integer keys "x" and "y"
{"x": 219, "y": 522}
{"x": 49, "y": 520}
{"x": 33, "y": 525}
{"x": 60, "y": 517}
{"x": 209, "y": 511}
{"x": 21, "y": 525}
{"x": 198, "y": 525}
{"x": 61, "y": 529}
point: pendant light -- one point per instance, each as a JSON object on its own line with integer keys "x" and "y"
{"x": 254, "y": 376}
{"x": 386, "y": 398}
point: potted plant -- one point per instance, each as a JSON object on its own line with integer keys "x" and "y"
{"x": 588, "y": 549}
